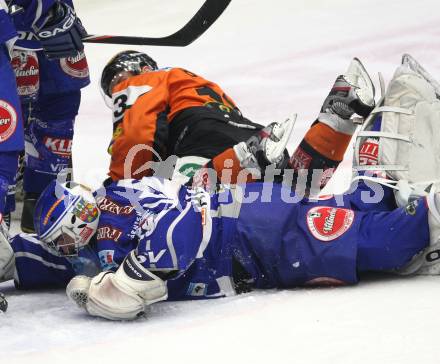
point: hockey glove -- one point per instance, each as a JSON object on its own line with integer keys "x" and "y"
{"x": 123, "y": 295}
{"x": 61, "y": 35}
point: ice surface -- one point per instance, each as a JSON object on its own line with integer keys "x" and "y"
{"x": 275, "y": 59}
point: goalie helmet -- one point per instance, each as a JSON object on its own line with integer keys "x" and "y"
{"x": 123, "y": 64}
{"x": 66, "y": 217}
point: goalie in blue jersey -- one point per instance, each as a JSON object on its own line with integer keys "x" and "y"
{"x": 137, "y": 242}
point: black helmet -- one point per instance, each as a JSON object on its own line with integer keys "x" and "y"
{"x": 131, "y": 61}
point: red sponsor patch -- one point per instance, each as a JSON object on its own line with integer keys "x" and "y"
{"x": 300, "y": 159}
{"x": 27, "y": 72}
{"x": 8, "y": 120}
{"x": 75, "y": 66}
{"x": 369, "y": 152}
{"x": 108, "y": 233}
{"x": 59, "y": 146}
{"x": 328, "y": 223}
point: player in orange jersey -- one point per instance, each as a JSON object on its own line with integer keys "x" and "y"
{"x": 171, "y": 111}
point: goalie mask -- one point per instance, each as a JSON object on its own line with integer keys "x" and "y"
{"x": 66, "y": 217}
{"x": 123, "y": 65}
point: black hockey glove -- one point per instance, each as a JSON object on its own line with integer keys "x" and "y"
{"x": 61, "y": 36}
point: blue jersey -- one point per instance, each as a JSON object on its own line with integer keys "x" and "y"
{"x": 204, "y": 244}
{"x": 7, "y": 28}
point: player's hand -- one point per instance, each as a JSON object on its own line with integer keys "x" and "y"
{"x": 61, "y": 35}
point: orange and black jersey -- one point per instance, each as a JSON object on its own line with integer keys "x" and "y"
{"x": 154, "y": 109}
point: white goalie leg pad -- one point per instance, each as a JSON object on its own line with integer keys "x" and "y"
{"x": 7, "y": 260}
{"x": 123, "y": 295}
{"x": 409, "y": 138}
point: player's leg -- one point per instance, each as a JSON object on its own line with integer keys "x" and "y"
{"x": 324, "y": 145}
{"x": 48, "y": 146}
{"x": 11, "y": 133}
{"x": 49, "y": 135}
{"x": 27, "y": 74}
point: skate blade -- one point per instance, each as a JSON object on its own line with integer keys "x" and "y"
{"x": 279, "y": 147}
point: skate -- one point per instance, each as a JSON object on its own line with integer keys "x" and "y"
{"x": 352, "y": 93}
{"x": 266, "y": 147}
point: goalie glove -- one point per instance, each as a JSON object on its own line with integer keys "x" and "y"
{"x": 123, "y": 295}
{"x": 61, "y": 35}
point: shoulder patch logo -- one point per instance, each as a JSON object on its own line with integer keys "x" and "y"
{"x": 328, "y": 223}
{"x": 8, "y": 120}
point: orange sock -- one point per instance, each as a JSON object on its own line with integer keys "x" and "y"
{"x": 328, "y": 142}
{"x": 228, "y": 168}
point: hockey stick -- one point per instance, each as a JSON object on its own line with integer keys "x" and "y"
{"x": 199, "y": 23}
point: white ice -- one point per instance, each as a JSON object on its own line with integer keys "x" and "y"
{"x": 274, "y": 59}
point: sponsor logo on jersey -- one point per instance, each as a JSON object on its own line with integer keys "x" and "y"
{"x": 106, "y": 259}
{"x": 85, "y": 211}
{"x": 58, "y": 167}
{"x": 328, "y": 223}
{"x": 59, "y": 146}
{"x": 369, "y": 152}
{"x": 8, "y": 120}
{"x": 75, "y": 66}
{"x": 27, "y": 72}
{"x": 108, "y": 233}
{"x": 112, "y": 207}
{"x": 300, "y": 159}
